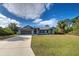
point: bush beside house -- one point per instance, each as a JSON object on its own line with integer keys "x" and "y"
{"x": 10, "y": 30}
{"x": 6, "y": 31}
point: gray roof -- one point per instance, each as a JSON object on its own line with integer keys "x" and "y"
{"x": 44, "y": 28}
{"x": 28, "y": 27}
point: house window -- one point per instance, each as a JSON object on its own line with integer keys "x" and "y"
{"x": 46, "y": 31}
{"x": 41, "y": 31}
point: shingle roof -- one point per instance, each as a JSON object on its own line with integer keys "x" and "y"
{"x": 28, "y": 27}
{"x": 41, "y": 28}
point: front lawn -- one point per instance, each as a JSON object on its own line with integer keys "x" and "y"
{"x": 55, "y": 45}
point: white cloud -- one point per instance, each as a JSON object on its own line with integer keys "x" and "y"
{"x": 37, "y": 21}
{"x": 4, "y": 21}
{"x": 2, "y": 16}
{"x": 51, "y": 22}
{"x": 27, "y": 10}
{"x": 48, "y": 5}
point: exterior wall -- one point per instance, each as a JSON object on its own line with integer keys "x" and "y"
{"x": 43, "y": 31}
{"x": 35, "y": 31}
{"x": 26, "y": 32}
{"x": 49, "y": 31}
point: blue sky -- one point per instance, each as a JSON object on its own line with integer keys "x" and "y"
{"x": 51, "y": 14}
{"x": 62, "y": 10}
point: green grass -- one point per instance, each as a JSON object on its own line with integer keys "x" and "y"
{"x": 55, "y": 45}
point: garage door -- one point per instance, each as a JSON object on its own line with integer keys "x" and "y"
{"x": 26, "y": 33}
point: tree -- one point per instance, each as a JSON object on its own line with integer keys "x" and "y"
{"x": 62, "y": 25}
{"x": 8, "y": 31}
{"x": 57, "y": 30}
{"x": 14, "y": 27}
{"x": 75, "y": 23}
{"x": 68, "y": 26}
{"x": 2, "y": 31}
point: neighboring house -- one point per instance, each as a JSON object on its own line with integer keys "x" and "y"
{"x": 28, "y": 30}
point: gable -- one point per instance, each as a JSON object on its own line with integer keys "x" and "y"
{"x": 27, "y": 27}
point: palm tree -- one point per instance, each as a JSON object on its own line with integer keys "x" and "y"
{"x": 62, "y": 25}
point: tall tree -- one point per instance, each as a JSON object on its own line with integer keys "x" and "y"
{"x": 75, "y": 23}
{"x": 61, "y": 25}
{"x": 13, "y": 26}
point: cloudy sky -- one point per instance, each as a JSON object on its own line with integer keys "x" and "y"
{"x": 36, "y": 14}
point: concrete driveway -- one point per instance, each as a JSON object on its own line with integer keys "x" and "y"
{"x": 16, "y": 46}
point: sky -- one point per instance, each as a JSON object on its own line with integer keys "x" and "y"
{"x": 36, "y": 14}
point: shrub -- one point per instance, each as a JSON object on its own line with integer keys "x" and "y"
{"x": 57, "y": 30}
{"x": 76, "y": 32}
{"x": 2, "y": 32}
{"x": 6, "y": 31}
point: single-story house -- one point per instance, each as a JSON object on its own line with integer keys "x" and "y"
{"x": 28, "y": 30}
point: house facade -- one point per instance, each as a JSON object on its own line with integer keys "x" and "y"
{"x": 28, "y": 30}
